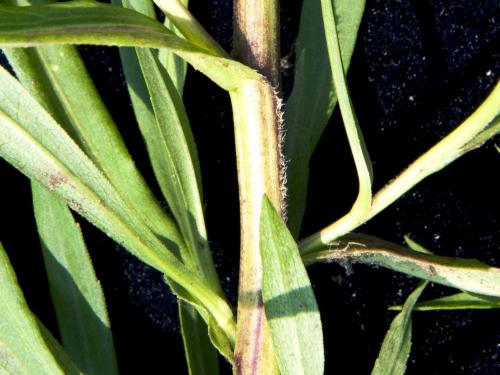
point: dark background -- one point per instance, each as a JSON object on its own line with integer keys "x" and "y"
{"x": 419, "y": 68}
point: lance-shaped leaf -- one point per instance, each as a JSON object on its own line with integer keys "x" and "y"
{"x": 480, "y": 126}
{"x": 359, "y": 152}
{"x": 201, "y": 356}
{"x": 313, "y": 98}
{"x": 76, "y": 293}
{"x": 222, "y": 338}
{"x": 38, "y": 147}
{"x": 469, "y": 275}
{"x": 174, "y": 65}
{"x": 164, "y": 125}
{"x": 396, "y": 347}
{"x": 57, "y": 78}
{"x": 25, "y": 346}
{"x": 79, "y": 22}
{"x": 416, "y": 246}
{"x": 458, "y": 301}
{"x": 114, "y": 26}
{"x": 178, "y": 14}
{"x": 289, "y": 302}
{"x": 173, "y": 156}
{"x": 62, "y": 88}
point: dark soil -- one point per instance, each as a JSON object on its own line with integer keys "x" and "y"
{"x": 419, "y": 69}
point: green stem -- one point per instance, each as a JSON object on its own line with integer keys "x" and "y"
{"x": 458, "y": 142}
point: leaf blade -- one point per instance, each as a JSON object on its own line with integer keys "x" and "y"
{"x": 174, "y": 65}
{"x": 56, "y": 76}
{"x": 289, "y": 301}
{"x": 21, "y": 338}
{"x": 170, "y": 145}
{"x": 200, "y": 354}
{"x": 313, "y": 97}
{"x": 483, "y": 123}
{"x": 157, "y": 103}
{"x": 468, "y": 275}
{"x": 396, "y": 346}
{"x": 458, "y": 301}
{"x": 78, "y": 22}
{"x": 38, "y": 147}
{"x": 362, "y": 205}
{"x": 76, "y": 293}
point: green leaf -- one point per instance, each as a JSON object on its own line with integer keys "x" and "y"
{"x": 95, "y": 23}
{"x": 313, "y": 98}
{"x": 57, "y": 78}
{"x": 39, "y": 148}
{"x": 415, "y": 246}
{"x": 76, "y": 293}
{"x": 179, "y": 15}
{"x": 174, "y": 65}
{"x": 62, "y": 88}
{"x": 483, "y": 136}
{"x": 362, "y": 205}
{"x": 79, "y": 22}
{"x": 289, "y": 301}
{"x": 221, "y": 338}
{"x": 481, "y": 125}
{"x": 173, "y": 156}
{"x": 200, "y": 354}
{"x": 475, "y": 130}
{"x": 9, "y": 365}
{"x": 459, "y": 301}
{"x": 165, "y": 127}
{"x": 172, "y": 152}
{"x": 25, "y": 347}
{"x": 469, "y": 275}
{"x": 397, "y": 342}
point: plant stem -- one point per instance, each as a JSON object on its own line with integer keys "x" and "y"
{"x": 257, "y": 122}
{"x": 256, "y": 37}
